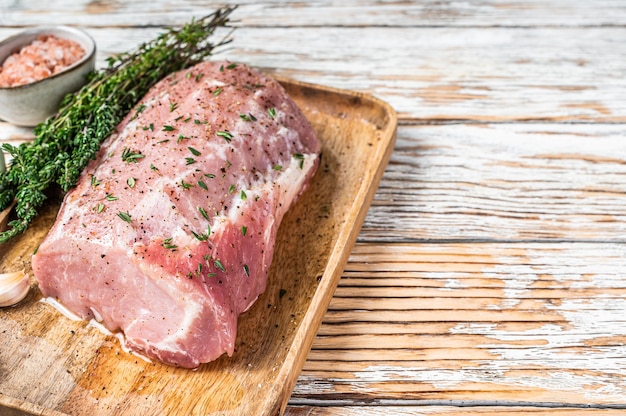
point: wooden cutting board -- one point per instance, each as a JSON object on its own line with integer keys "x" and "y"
{"x": 51, "y": 365}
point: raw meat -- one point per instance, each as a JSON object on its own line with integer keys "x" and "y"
{"x": 169, "y": 234}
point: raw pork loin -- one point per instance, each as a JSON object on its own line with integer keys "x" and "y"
{"x": 169, "y": 234}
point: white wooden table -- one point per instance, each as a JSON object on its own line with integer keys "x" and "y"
{"x": 490, "y": 274}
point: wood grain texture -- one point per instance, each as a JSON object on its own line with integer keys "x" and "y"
{"x": 489, "y": 275}
{"x": 514, "y": 182}
{"x": 522, "y": 323}
{"x": 358, "y": 13}
{"x": 440, "y": 73}
{"x": 502, "y": 410}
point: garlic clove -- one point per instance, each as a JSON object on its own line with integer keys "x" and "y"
{"x": 13, "y": 288}
{"x": 4, "y": 216}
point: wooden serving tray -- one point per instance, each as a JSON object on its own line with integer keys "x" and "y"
{"x": 51, "y": 365}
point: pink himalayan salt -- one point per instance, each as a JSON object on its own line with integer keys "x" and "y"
{"x": 45, "y": 56}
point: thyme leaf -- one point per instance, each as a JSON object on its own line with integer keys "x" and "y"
{"x": 167, "y": 243}
{"x": 200, "y": 237}
{"x": 219, "y": 265}
{"x": 247, "y": 117}
{"x": 130, "y": 156}
{"x": 226, "y": 135}
{"x": 203, "y": 213}
{"x": 125, "y": 216}
{"x": 300, "y": 158}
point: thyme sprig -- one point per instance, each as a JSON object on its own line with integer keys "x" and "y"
{"x": 67, "y": 141}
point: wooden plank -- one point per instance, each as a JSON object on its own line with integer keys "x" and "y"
{"x": 365, "y": 410}
{"x": 315, "y": 13}
{"x": 512, "y": 182}
{"x": 456, "y": 74}
{"x": 439, "y": 73}
{"x": 516, "y": 345}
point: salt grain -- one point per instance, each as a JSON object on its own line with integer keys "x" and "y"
{"x": 45, "y": 56}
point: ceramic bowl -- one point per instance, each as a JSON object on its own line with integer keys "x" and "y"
{"x": 30, "y": 104}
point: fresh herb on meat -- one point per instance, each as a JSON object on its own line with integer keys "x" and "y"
{"x": 131, "y": 156}
{"x": 125, "y": 216}
{"x": 226, "y": 135}
{"x": 67, "y": 141}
